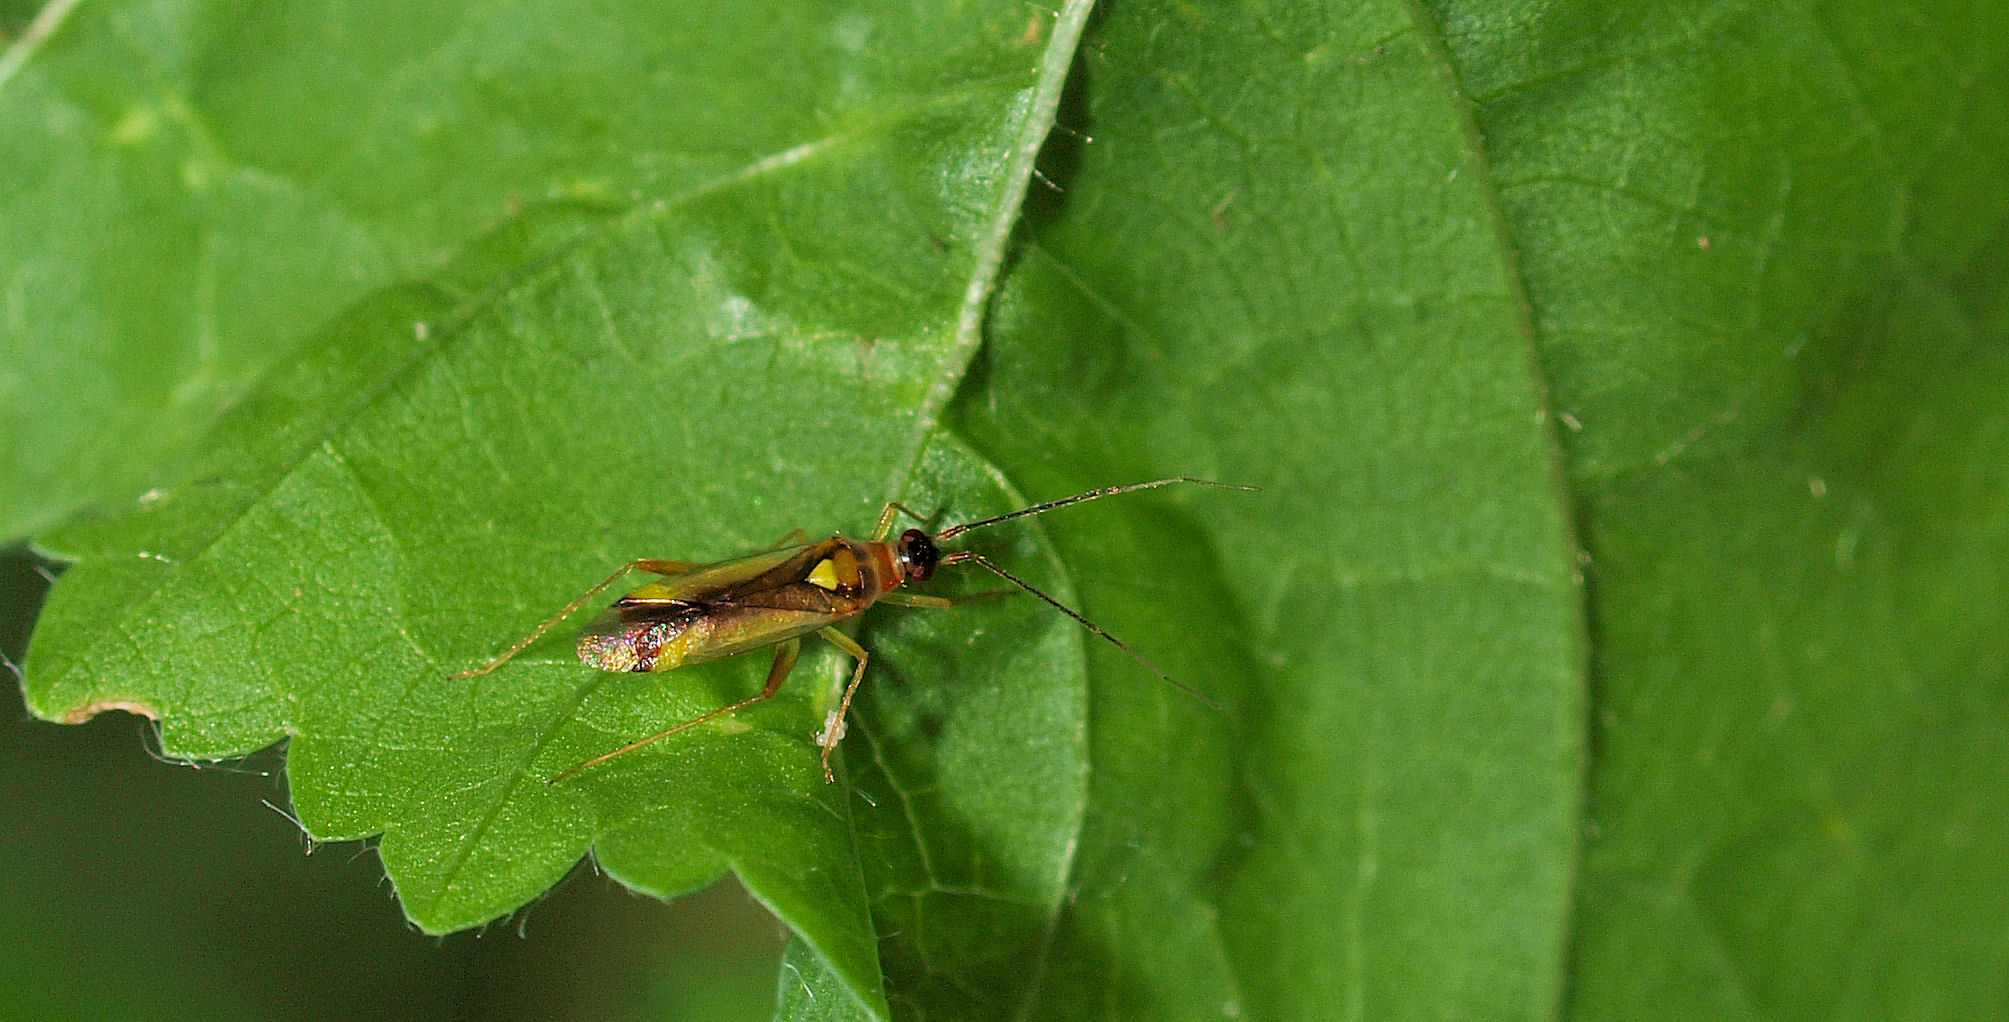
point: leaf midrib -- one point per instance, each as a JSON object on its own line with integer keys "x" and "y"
{"x": 1055, "y": 62}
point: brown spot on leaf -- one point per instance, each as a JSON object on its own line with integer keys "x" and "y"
{"x": 79, "y": 714}
{"x": 1035, "y": 30}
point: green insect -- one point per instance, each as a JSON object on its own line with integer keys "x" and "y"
{"x": 699, "y": 612}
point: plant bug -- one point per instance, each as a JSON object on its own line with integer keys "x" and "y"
{"x": 699, "y": 612}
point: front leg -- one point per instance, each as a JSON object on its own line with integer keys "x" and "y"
{"x": 885, "y": 526}
{"x": 797, "y": 536}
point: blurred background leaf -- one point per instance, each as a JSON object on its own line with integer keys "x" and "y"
{"x": 1718, "y": 286}
{"x": 1765, "y": 250}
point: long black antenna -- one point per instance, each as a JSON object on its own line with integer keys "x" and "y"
{"x": 1106, "y": 491}
{"x": 979, "y": 559}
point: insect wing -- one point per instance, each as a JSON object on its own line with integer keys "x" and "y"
{"x": 716, "y": 610}
{"x": 722, "y": 580}
{"x": 660, "y": 636}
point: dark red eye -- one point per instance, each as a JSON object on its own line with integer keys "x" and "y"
{"x": 918, "y": 555}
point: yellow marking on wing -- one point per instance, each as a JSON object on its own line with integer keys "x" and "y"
{"x": 671, "y": 655}
{"x": 824, "y": 575}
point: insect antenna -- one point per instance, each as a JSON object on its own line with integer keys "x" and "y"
{"x": 1104, "y": 491}
{"x": 980, "y": 560}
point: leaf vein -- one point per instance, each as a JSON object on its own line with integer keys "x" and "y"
{"x": 46, "y": 22}
{"x": 467, "y": 847}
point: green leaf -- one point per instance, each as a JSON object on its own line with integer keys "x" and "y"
{"x": 1766, "y": 249}
{"x": 758, "y": 339}
{"x": 1275, "y": 263}
{"x": 1784, "y": 410}
{"x": 190, "y": 190}
{"x": 1716, "y": 288}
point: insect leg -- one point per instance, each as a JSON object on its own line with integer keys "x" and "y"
{"x": 833, "y": 727}
{"x": 784, "y": 659}
{"x": 653, "y": 565}
{"x": 792, "y": 537}
{"x": 885, "y": 526}
{"x": 900, "y": 599}
{"x": 905, "y": 599}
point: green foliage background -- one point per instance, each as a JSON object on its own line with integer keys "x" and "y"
{"x": 1621, "y": 631}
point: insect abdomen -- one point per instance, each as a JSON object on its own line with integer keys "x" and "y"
{"x": 638, "y": 645}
